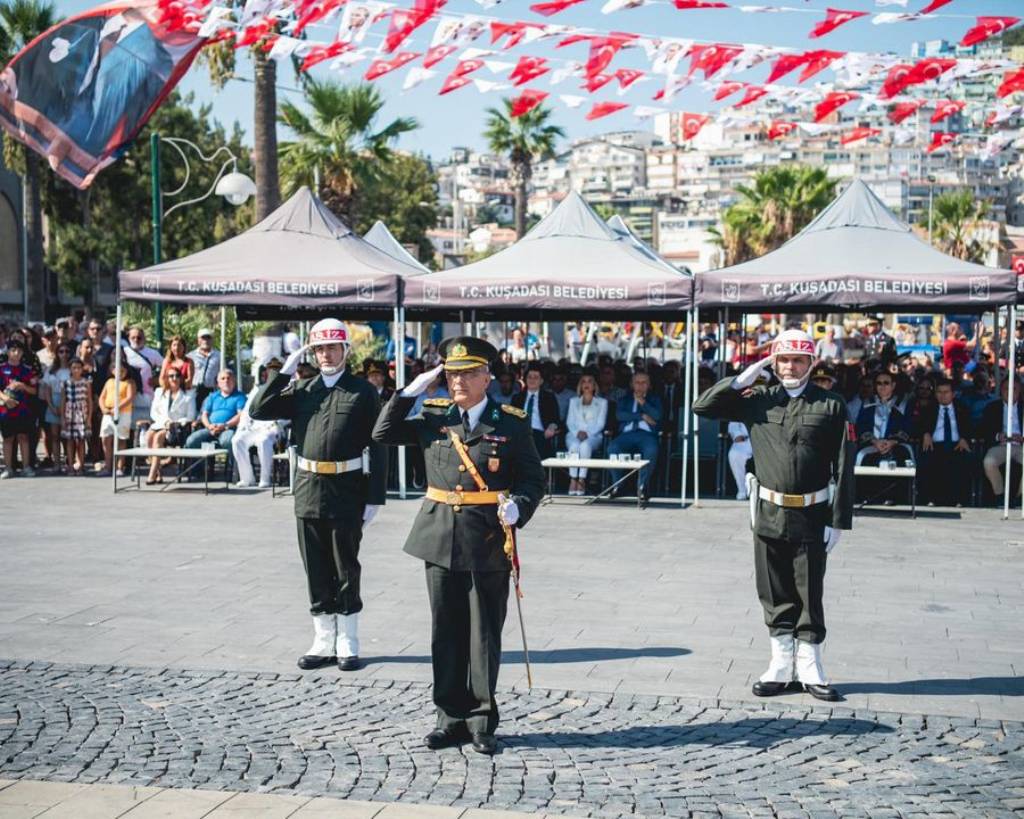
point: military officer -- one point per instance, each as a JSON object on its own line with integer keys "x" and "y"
{"x": 338, "y": 486}
{"x": 801, "y": 440}
{"x": 823, "y": 375}
{"x": 484, "y": 478}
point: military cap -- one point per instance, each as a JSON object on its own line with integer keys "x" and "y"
{"x": 823, "y": 371}
{"x": 465, "y": 353}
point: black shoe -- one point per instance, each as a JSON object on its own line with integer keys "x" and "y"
{"x": 769, "y": 689}
{"x": 446, "y": 737}
{"x": 822, "y": 692}
{"x": 350, "y": 663}
{"x": 307, "y": 662}
{"x": 485, "y": 744}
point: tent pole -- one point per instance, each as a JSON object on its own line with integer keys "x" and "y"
{"x": 117, "y": 394}
{"x": 695, "y": 420}
{"x": 687, "y": 401}
{"x": 585, "y": 353}
{"x": 995, "y": 335}
{"x": 238, "y": 349}
{"x": 224, "y": 337}
{"x": 634, "y": 343}
{"x": 399, "y": 317}
{"x": 1009, "y": 408}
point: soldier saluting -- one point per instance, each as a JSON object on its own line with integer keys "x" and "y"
{"x": 801, "y": 441}
{"x": 484, "y": 477}
{"x": 338, "y": 490}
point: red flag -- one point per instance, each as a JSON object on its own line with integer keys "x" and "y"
{"x": 553, "y": 7}
{"x": 1017, "y": 264}
{"x": 527, "y": 101}
{"x": 946, "y": 108}
{"x": 627, "y": 76}
{"x": 453, "y": 82}
{"x": 834, "y": 18}
{"x": 597, "y": 82}
{"x": 690, "y": 125}
{"x": 784, "y": 64}
{"x": 683, "y": 5}
{"x": 437, "y": 53}
{"x": 514, "y": 31}
{"x": 727, "y": 89}
{"x": 317, "y": 54}
{"x": 858, "y": 134}
{"x": 603, "y": 51}
{"x": 833, "y": 102}
{"x": 528, "y": 68}
{"x": 754, "y": 93}
{"x": 934, "y": 5}
{"x": 378, "y": 68}
{"x": 780, "y": 129}
{"x": 253, "y": 34}
{"x": 712, "y": 58}
{"x": 464, "y": 67}
{"x": 818, "y": 61}
{"x": 941, "y": 140}
{"x": 405, "y": 21}
{"x": 929, "y": 69}
{"x": 1012, "y": 82}
{"x": 313, "y": 13}
{"x": 603, "y": 109}
{"x": 895, "y": 81}
{"x": 901, "y": 110}
{"x": 988, "y": 27}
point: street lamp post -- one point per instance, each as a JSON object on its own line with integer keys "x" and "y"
{"x": 234, "y": 186}
{"x": 931, "y": 190}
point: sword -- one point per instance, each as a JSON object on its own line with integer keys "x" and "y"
{"x": 513, "y": 558}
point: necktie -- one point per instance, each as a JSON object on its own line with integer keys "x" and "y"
{"x": 465, "y": 421}
{"x": 529, "y": 409}
{"x": 947, "y": 426}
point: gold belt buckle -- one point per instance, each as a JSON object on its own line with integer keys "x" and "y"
{"x": 453, "y": 499}
{"x": 793, "y": 501}
{"x": 324, "y": 468}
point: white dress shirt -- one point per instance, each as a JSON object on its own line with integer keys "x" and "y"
{"x": 535, "y": 421}
{"x": 939, "y": 434}
{"x": 475, "y": 412}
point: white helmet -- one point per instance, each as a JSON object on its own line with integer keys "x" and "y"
{"x": 794, "y": 342}
{"x": 328, "y": 331}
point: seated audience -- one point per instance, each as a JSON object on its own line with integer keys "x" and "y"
{"x": 220, "y": 414}
{"x": 172, "y": 412}
{"x": 993, "y": 430}
{"x": 944, "y": 427}
{"x": 122, "y": 402}
{"x": 882, "y": 430}
{"x": 638, "y": 416}
{"x": 260, "y": 434}
{"x": 542, "y": 414}
{"x": 585, "y": 422}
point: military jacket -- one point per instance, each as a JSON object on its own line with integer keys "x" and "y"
{"x": 799, "y": 444}
{"x": 329, "y": 424}
{"x": 500, "y": 445}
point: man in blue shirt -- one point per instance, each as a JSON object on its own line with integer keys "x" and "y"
{"x": 638, "y": 416}
{"x": 220, "y": 414}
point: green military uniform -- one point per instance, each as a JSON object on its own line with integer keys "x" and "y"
{"x": 462, "y": 544}
{"x": 329, "y": 424}
{"x": 800, "y": 444}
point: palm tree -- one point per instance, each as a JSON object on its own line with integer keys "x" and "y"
{"x": 21, "y": 21}
{"x": 956, "y": 216}
{"x": 779, "y": 204}
{"x": 525, "y": 139}
{"x": 336, "y": 142}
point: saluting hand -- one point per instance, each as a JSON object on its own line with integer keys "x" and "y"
{"x": 421, "y": 382}
{"x": 292, "y": 364}
{"x": 749, "y": 376}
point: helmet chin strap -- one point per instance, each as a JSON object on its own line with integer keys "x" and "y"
{"x": 334, "y": 370}
{"x": 797, "y": 383}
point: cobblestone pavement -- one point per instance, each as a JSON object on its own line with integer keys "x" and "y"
{"x": 561, "y": 751}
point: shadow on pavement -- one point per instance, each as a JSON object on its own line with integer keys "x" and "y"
{"x": 557, "y": 655}
{"x": 756, "y": 732}
{"x": 904, "y": 512}
{"x": 993, "y": 686}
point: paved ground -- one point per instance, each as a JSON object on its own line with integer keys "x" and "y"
{"x": 173, "y": 622}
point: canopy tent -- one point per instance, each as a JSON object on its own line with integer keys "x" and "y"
{"x": 618, "y": 224}
{"x": 855, "y": 254}
{"x": 383, "y": 239}
{"x": 300, "y": 257}
{"x": 571, "y": 265}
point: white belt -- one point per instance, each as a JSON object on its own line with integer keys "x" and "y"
{"x": 330, "y": 467}
{"x": 792, "y": 501}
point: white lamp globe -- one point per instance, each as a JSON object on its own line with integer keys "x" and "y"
{"x": 236, "y": 187}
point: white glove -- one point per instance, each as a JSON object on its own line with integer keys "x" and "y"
{"x": 421, "y": 382}
{"x": 508, "y": 512}
{"x": 831, "y": 538}
{"x": 292, "y": 364}
{"x": 750, "y": 375}
{"x": 369, "y": 513}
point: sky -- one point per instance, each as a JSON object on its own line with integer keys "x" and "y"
{"x": 457, "y": 119}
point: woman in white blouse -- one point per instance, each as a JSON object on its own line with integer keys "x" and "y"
{"x": 588, "y": 412}
{"x": 172, "y": 412}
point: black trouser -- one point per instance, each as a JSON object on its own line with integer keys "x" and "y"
{"x": 790, "y": 583}
{"x": 945, "y": 474}
{"x": 545, "y": 446}
{"x": 330, "y": 555}
{"x": 467, "y": 612}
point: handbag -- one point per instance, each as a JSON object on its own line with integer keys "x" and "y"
{"x": 176, "y": 435}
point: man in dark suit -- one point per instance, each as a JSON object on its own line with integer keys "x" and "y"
{"x": 638, "y": 416}
{"x": 945, "y": 432}
{"x": 671, "y": 397}
{"x": 542, "y": 413}
{"x": 882, "y": 430}
{"x": 483, "y": 479}
{"x": 993, "y": 430}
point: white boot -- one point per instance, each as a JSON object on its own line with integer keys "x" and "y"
{"x": 348, "y": 642}
{"x": 325, "y": 634}
{"x": 780, "y": 669}
{"x": 809, "y": 669}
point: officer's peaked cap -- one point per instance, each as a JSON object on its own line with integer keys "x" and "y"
{"x": 465, "y": 353}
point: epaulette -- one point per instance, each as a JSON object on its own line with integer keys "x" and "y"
{"x": 438, "y": 402}
{"x": 518, "y": 413}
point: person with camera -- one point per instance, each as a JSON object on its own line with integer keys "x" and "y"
{"x": 172, "y": 412}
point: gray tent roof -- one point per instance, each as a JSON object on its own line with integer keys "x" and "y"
{"x": 618, "y": 224}
{"x": 300, "y": 256}
{"x": 383, "y": 239}
{"x": 855, "y": 253}
{"x": 571, "y": 264}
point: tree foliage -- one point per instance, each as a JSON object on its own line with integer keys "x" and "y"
{"x": 956, "y": 217}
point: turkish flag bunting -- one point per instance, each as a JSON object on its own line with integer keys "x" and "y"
{"x": 712, "y": 58}
{"x": 895, "y": 80}
{"x": 901, "y": 110}
{"x": 779, "y": 129}
{"x": 1012, "y": 82}
{"x": 784, "y": 64}
{"x": 691, "y": 124}
{"x": 597, "y": 82}
{"x": 514, "y": 31}
{"x": 754, "y": 93}
{"x": 941, "y": 140}
{"x": 603, "y": 51}
{"x": 934, "y": 6}
{"x": 437, "y": 53}
{"x": 833, "y": 102}
{"x": 253, "y": 34}
{"x": 1017, "y": 263}
{"x": 627, "y": 76}
{"x": 317, "y": 54}
{"x": 858, "y": 134}
{"x": 528, "y": 68}
{"x": 405, "y": 21}
{"x": 834, "y": 18}
{"x": 453, "y": 82}
{"x": 464, "y": 67}
{"x": 603, "y": 109}
{"x": 378, "y": 68}
{"x": 946, "y": 108}
{"x": 988, "y": 27}
{"x": 818, "y": 61}
{"x": 727, "y": 89}
{"x": 526, "y": 102}
{"x": 547, "y": 9}
{"x": 314, "y": 12}
{"x": 929, "y": 69}
{"x": 683, "y": 5}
